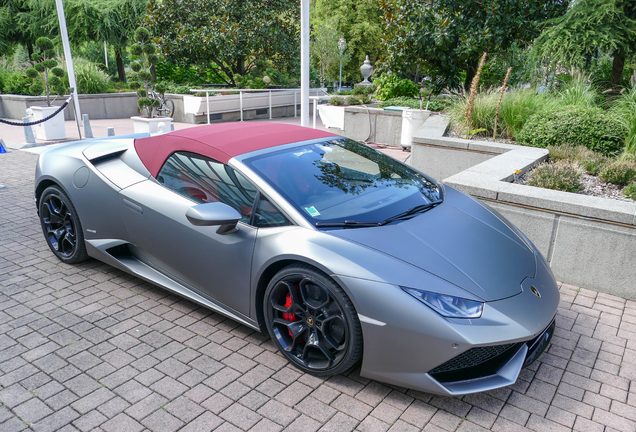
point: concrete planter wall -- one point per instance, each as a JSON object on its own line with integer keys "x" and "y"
{"x": 588, "y": 241}
{"x": 372, "y": 124}
{"x": 97, "y": 106}
{"x": 332, "y": 116}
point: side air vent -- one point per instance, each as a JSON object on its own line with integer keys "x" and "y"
{"x": 105, "y": 158}
{"x": 123, "y": 250}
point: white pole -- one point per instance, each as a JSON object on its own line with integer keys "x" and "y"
{"x": 304, "y": 63}
{"x": 106, "y": 54}
{"x": 69, "y": 59}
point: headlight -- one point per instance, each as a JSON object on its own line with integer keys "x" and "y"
{"x": 448, "y": 306}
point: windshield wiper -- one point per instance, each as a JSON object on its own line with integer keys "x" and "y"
{"x": 347, "y": 224}
{"x": 357, "y": 224}
{"x": 411, "y": 212}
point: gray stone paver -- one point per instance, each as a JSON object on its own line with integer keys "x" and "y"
{"x": 88, "y": 347}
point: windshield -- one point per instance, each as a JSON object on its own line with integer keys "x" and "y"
{"x": 343, "y": 180}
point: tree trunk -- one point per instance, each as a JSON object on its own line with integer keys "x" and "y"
{"x": 153, "y": 72}
{"x": 120, "y": 65}
{"x": 617, "y": 68}
{"x": 241, "y": 66}
{"x": 29, "y": 48}
{"x": 471, "y": 70}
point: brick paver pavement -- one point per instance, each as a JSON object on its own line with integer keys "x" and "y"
{"x": 88, "y": 347}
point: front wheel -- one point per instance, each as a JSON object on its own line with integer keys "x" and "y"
{"x": 61, "y": 226}
{"x": 312, "y": 321}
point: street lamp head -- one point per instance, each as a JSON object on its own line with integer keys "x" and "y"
{"x": 342, "y": 44}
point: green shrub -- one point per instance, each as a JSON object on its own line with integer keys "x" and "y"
{"x": 573, "y": 125}
{"x": 619, "y": 172}
{"x": 90, "y": 78}
{"x": 591, "y": 162}
{"x": 361, "y": 90}
{"x": 516, "y": 107}
{"x": 18, "y": 83}
{"x": 391, "y": 86}
{"x": 435, "y": 104}
{"x": 354, "y": 100}
{"x": 401, "y": 101}
{"x": 594, "y": 166}
{"x": 630, "y": 191}
{"x": 336, "y": 101}
{"x": 624, "y": 110}
{"x": 562, "y": 175}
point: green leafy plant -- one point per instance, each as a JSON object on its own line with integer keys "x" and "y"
{"x": 517, "y": 106}
{"x": 619, "y": 172}
{"x": 362, "y": 90}
{"x": 90, "y": 79}
{"x": 354, "y": 100}
{"x": 336, "y": 101}
{"x": 630, "y": 191}
{"x": 573, "y": 125}
{"x": 391, "y": 86}
{"x": 483, "y": 117}
{"x": 45, "y": 74}
{"x": 624, "y": 110}
{"x": 562, "y": 175}
{"x": 145, "y": 49}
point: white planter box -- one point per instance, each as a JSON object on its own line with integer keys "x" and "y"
{"x": 332, "y": 116}
{"x": 412, "y": 119}
{"x": 52, "y": 129}
{"x": 151, "y": 125}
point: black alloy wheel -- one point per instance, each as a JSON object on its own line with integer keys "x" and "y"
{"x": 61, "y": 226}
{"x": 312, "y": 321}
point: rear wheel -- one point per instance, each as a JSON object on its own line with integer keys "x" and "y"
{"x": 167, "y": 109}
{"x": 61, "y": 226}
{"x": 312, "y": 321}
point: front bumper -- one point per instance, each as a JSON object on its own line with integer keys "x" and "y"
{"x": 404, "y": 341}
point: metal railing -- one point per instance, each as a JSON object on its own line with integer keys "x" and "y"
{"x": 241, "y": 91}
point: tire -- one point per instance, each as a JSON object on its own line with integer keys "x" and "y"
{"x": 168, "y": 108}
{"x": 312, "y": 321}
{"x": 61, "y": 226}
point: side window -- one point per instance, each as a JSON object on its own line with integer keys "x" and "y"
{"x": 267, "y": 215}
{"x": 205, "y": 180}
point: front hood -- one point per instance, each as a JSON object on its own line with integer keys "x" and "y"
{"x": 459, "y": 241}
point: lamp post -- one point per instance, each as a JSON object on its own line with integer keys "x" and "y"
{"x": 342, "y": 44}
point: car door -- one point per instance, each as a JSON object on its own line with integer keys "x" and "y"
{"x": 215, "y": 265}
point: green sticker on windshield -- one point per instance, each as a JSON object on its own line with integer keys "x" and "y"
{"x": 312, "y": 211}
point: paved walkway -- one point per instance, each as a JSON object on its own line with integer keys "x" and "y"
{"x": 88, "y": 347}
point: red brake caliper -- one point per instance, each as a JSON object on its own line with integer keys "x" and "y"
{"x": 288, "y": 316}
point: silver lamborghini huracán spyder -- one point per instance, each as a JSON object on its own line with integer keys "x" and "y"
{"x": 339, "y": 252}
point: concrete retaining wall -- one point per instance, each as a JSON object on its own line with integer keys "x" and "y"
{"x": 122, "y": 105}
{"x": 588, "y": 241}
{"x": 97, "y": 106}
{"x": 372, "y": 124}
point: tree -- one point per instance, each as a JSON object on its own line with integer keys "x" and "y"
{"x": 590, "y": 28}
{"x": 118, "y": 21}
{"x": 324, "y": 48}
{"x": 449, "y": 36}
{"x": 359, "y": 22}
{"x": 113, "y": 21}
{"x": 233, "y": 35}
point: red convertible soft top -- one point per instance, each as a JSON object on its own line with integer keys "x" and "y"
{"x": 221, "y": 141}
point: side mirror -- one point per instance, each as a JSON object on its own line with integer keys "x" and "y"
{"x": 212, "y": 214}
